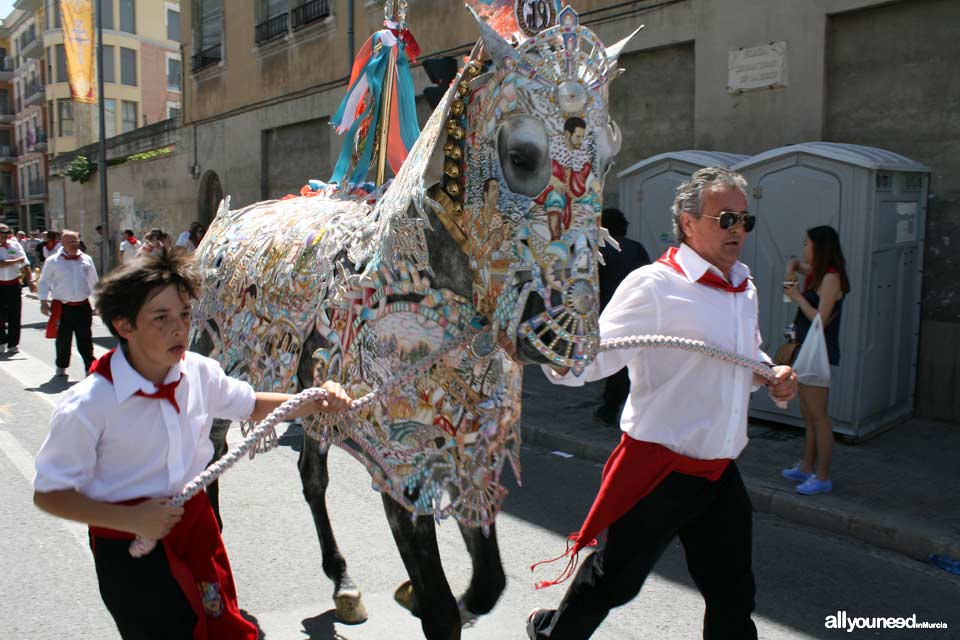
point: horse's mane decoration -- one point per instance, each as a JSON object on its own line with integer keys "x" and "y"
{"x": 345, "y": 282}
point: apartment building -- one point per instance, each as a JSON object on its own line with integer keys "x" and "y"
{"x": 141, "y": 67}
{"x": 8, "y": 157}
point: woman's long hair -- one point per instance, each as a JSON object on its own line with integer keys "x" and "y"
{"x": 826, "y": 254}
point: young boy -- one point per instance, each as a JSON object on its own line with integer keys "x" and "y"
{"x": 132, "y": 434}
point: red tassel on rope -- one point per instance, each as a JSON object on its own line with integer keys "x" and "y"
{"x": 569, "y": 570}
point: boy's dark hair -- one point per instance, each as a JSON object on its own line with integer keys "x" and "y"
{"x": 573, "y": 123}
{"x": 124, "y": 291}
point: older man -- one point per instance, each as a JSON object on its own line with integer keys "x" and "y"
{"x": 13, "y": 264}
{"x": 684, "y": 423}
{"x": 68, "y": 277}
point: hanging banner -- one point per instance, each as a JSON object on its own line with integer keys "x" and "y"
{"x": 77, "y": 17}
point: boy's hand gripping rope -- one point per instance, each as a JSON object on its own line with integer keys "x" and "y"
{"x": 141, "y": 547}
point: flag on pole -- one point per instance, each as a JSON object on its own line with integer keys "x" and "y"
{"x": 77, "y": 17}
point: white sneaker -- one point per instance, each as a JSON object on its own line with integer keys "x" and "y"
{"x": 61, "y": 371}
{"x": 11, "y": 350}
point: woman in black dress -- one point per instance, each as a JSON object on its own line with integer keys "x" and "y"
{"x": 824, "y": 289}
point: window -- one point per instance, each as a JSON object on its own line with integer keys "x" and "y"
{"x": 56, "y": 13}
{"x": 129, "y": 116}
{"x": 109, "y": 64}
{"x": 173, "y": 25}
{"x": 61, "y": 63}
{"x": 49, "y": 64}
{"x": 272, "y": 9}
{"x": 173, "y": 74}
{"x": 4, "y": 101}
{"x": 65, "y": 111}
{"x": 50, "y": 117}
{"x": 173, "y": 110}
{"x": 110, "y": 115}
{"x": 107, "y": 15}
{"x": 209, "y": 33}
{"x": 128, "y": 66}
{"x": 128, "y": 16}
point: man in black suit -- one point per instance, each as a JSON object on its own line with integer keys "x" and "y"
{"x": 618, "y": 265}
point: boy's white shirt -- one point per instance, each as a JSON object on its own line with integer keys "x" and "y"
{"x": 111, "y": 445}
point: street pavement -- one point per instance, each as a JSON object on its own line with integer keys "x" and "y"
{"x": 48, "y": 589}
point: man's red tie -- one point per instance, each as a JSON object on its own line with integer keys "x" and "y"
{"x": 165, "y": 392}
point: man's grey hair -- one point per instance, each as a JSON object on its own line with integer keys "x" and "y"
{"x": 689, "y": 198}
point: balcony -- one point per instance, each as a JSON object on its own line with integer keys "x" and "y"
{"x": 7, "y": 115}
{"x": 207, "y": 57}
{"x": 275, "y": 27}
{"x": 309, "y": 12}
{"x": 36, "y": 141}
{"x": 8, "y": 153}
{"x": 6, "y": 69}
{"x": 29, "y": 45}
{"x": 33, "y": 93}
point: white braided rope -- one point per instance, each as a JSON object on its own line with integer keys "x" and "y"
{"x": 688, "y": 344}
{"x": 142, "y": 546}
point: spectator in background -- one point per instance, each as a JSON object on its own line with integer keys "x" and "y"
{"x": 49, "y": 247}
{"x": 129, "y": 246}
{"x": 13, "y": 265}
{"x": 824, "y": 290}
{"x": 617, "y": 266}
{"x": 154, "y": 241}
{"x": 190, "y": 239}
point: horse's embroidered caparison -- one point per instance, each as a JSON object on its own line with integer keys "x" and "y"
{"x": 352, "y": 281}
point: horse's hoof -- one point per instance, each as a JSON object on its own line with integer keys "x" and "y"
{"x": 350, "y": 609}
{"x": 405, "y": 597}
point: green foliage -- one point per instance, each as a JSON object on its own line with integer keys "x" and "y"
{"x": 79, "y": 169}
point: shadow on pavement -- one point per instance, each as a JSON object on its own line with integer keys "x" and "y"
{"x": 322, "y": 627}
{"x": 54, "y": 385}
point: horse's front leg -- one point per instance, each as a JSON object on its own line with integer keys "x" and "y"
{"x": 218, "y": 435}
{"x": 416, "y": 540}
{"x": 315, "y": 480}
{"x": 488, "y": 580}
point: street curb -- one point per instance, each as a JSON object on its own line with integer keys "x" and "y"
{"x": 889, "y": 531}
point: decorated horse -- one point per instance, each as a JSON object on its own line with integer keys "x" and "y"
{"x": 494, "y": 266}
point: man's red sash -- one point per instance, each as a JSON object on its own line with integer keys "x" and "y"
{"x": 56, "y": 312}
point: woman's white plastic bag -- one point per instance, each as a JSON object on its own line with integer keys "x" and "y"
{"x": 812, "y": 365}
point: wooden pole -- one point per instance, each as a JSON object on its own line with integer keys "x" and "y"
{"x": 383, "y": 131}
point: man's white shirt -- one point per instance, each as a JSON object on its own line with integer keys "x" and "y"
{"x": 112, "y": 445}
{"x": 67, "y": 280}
{"x": 12, "y": 250}
{"x": 690, "y": 403}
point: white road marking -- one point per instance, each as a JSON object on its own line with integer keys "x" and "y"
{"x": 24, "y": 463}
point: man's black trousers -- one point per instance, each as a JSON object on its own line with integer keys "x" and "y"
{"x": 75, "y": 320}
{"x": 10, "y": 307}
{"x": 714, "y": 522}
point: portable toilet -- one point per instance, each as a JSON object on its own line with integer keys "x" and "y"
{"x": 648, "y": 188}
{"x": 876, "y": 200}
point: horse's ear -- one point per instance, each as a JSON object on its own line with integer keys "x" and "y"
{"x": 496, "y": 47}
{"x": 614, "y": 51}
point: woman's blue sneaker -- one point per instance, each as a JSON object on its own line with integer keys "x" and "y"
{"x": 794, "y": 473}
{"x": 814, "y": 485}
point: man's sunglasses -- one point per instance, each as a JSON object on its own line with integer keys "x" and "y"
{"x": 727, "y": 219}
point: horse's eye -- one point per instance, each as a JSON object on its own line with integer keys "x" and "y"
{"x": 524, "y": 148}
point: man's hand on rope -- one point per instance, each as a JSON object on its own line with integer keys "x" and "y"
{"x": 783, "y": 387}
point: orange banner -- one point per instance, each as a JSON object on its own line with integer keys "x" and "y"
{"x": 77, "y": 17}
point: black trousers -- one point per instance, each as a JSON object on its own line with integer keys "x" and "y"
{"x": 141, "y": 594}
{"x": 10, "y": 307}
{"x": 714, "y": 522}
{"x": 75, "y": 321}
{"x": 616, "y": 388}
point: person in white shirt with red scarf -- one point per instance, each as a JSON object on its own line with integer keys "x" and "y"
{"x": 69, "y": 277}
{"x": 13, "y": 264}
{"x": 684, "y": 423}
{"x": 132, "y": 434}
